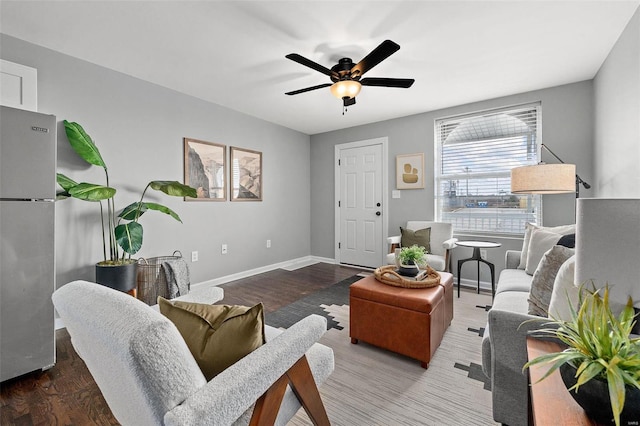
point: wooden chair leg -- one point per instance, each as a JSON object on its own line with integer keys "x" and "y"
{"x": 267, "y": 406}
{"x": 300, "y": 378}
{"x": 304, "y": 386}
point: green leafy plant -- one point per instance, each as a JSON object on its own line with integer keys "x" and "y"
{"x": 412, "y": 255}
{"x": 122, "y": 230}
{"x": 599, "y": 346}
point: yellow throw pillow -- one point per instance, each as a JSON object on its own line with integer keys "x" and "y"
{"x": 217, "y": 335}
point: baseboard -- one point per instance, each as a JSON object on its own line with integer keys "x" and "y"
{"x": 307, "y": 261}
{"x": 289, "y": 265}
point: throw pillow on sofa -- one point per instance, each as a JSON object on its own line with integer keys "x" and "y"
{"x": 528, "y": 230}
{"x": 544, "y": 278}
{"x": 541, "y": 241}
{"x": 217, "y": 335}
{"x": 568, "y": 240}
{"x": 421, "y": 238}
{"x": 565, "y": 292}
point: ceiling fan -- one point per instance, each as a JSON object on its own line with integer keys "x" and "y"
{"x": 346, "y": 76}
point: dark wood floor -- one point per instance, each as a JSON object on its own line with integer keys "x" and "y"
{"x": 67, "y": 395}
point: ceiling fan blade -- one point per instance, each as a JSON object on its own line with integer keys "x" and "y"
{"x": 308, "y": 89}
{"x": 377, "y": 55}
{"x": 387, "y": 82}
{"x": 313, "y": 65}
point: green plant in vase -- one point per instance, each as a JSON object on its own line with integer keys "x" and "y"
{"x": 122, "y": 233}
{"x": 413, "y": 255}
{"x": 410, "y": 259}
{"x": 600, "y": 348}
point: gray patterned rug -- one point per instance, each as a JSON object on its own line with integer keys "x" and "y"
{"x": 337, "y": 294}
{"x": 372, "y": 386}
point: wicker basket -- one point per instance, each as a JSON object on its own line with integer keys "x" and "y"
{"x": 151, "y": 283}
{"x": 388, "y": 275}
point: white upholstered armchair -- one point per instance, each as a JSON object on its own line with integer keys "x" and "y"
{"x": 441, "y": 242}
{"x": 148, "y": 376}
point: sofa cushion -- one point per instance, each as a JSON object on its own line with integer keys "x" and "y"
{"x": 543, "y": 279}
{"x": 217, "y": 335}
{"x": 420, "y": 237}
{"x": 512, "y": 301}
{"x": 514, "y": 280}
{"x": 530, "y": 227}
{"x": 541, "y": 241}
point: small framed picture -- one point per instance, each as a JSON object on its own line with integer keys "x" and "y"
{"x": 205, "y": 169}
{"x": 246, "y": 174}
{"x": 410, "y": 171}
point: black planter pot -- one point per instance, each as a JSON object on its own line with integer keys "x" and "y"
{"x": 118, "y": 277}
{"x": 409, "y": 270}
{"x": 593, "y": 397}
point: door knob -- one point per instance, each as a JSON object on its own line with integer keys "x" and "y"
{"x": 377, "y": 204}
{"x": 378, "y": 213}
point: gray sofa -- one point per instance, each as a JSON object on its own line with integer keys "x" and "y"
{"x": 613, "y": 224}
{"x": 504, "y": 349}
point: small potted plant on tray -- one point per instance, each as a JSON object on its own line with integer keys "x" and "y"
{"x": 601, "y": 363}
{"x": 121, "y": 231}
{"x": 409, "y": 260}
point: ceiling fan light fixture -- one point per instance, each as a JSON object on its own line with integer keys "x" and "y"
{"x": 346, "y": 89}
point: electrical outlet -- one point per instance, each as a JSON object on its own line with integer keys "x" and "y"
{"x": 268, "y": 243}
{"x": 483, "y": 254}
{"x": 194, "y": 256}
{"x": 224, "y": 249}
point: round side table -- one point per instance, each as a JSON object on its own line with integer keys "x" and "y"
{"x": 477, "y": 245}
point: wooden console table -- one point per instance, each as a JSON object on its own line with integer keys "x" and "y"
{"x": 551, "y": 403}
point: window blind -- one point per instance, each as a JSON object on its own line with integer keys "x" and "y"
{"x": 475, "y": 155}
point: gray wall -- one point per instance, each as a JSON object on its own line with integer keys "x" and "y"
{"x": 617, "y": 117}
{"x": 567, "y": 117}
{"x": 139, "y": 128}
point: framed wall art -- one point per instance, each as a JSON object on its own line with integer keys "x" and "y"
{"x": 246, "y": 174}
{"x": 410, "y": 171}
{"x": 205, "y": 169}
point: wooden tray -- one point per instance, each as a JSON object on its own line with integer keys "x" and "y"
{"x": 388, "y": 275}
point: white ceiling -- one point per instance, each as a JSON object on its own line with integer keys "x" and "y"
{"x": 232, "y": 53}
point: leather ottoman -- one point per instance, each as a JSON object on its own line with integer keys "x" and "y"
{"x": 407, "y": 321}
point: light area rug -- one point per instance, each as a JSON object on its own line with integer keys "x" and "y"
{"x": 372, "y": 386}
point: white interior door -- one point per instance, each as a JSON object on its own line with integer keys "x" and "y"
{"x": 360, "y": 205}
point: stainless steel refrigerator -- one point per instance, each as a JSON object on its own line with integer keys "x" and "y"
{"x": 27, "y": 262}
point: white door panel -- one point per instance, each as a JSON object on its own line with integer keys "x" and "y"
{"x": 360, "y": 212}
{"x": 370, "y": 233}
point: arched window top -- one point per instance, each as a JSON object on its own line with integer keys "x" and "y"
{"x": 500, "y": 125}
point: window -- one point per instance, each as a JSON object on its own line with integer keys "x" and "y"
{"x": 474, "y": 157}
